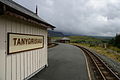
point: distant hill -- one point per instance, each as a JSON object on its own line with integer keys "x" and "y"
{"x": 55, "y": 34}
{"x": 61, "y": 34}
{"x": 102, "y": 37}
{"x": 77, "y": 38}
{"x": 84, "y": 39}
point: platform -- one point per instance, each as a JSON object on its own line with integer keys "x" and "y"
{"x": 66, "y": 62}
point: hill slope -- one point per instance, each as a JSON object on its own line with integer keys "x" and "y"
{"x": 55, "y": 34}
{"x": 84, "y": 39}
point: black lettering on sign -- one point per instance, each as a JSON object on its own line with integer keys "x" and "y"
{"x": 26, "y": 41}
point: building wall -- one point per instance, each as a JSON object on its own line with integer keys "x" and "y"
{"x": 20, "y": 65}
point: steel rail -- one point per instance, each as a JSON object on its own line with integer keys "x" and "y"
{"x": 103, "y": 77}
{"x": 98, "y": 62}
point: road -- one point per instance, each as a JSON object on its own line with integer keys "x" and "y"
{"x": 66, "y": 62}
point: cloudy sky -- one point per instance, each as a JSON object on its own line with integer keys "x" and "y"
{"x": 87, "y": 17}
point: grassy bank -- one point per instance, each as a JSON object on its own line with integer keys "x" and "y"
{"x": 103, "y": 51}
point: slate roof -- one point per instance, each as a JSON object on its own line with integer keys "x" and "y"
{"x": 20, "y": 10}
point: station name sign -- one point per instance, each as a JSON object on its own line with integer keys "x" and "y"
{"x": 24, "y": 42}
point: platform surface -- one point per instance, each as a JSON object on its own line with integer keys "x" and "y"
{"x": 66, "y": 62}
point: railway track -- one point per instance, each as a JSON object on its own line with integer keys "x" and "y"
{"x": 100, "y": 70}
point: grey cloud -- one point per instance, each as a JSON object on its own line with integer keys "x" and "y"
{"x": 88, "y": 17}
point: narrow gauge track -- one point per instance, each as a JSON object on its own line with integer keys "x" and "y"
{"x": 102, "y": 71}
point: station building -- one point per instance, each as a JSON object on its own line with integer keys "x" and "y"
{"x": 23, "y": 42}
{"x": 64, "y": 40}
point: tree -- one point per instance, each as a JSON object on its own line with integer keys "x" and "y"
{"x": 115, "y": 41}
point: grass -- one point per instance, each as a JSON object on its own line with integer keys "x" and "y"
{"x": 102, "y": 51}
{"x": 56, "y": 38}
{"x": 86, "y": 41}
{"x": 83, "y": 38}
{"x": 114, "y": 49}
{"x": 79, "y": 39}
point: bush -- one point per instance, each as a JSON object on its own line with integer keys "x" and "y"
{"x": 115, "y": 41}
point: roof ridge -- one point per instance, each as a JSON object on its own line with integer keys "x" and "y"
{"x": 22, "y": 6}
{"x": 21, "y": 9}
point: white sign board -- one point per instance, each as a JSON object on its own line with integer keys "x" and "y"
{"x": 24, "y": 42}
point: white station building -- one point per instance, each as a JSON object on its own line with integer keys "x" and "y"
{"x": 23, "y": 42}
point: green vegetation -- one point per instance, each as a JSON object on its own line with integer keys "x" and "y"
{"x": 56, "y": 38}
{"x": 115, "y": 41}
{"x": 82, "y": 39}
{"x": 88, "y": 39}
{"x": 101, "y": 46}
{"x": 101, "y": 50}
{"x": 114, "y": 49}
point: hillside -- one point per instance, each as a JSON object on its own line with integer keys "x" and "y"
{"x": 102, "y": 37}
{"x": 84, "y": 39}
{"x": 55, "y": 34}
{"x": 78, "y": 38}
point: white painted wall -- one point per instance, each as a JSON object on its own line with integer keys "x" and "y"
{"x": 19, "y": 66}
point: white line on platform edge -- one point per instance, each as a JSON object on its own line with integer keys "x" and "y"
{"x": 87, "y": 66}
